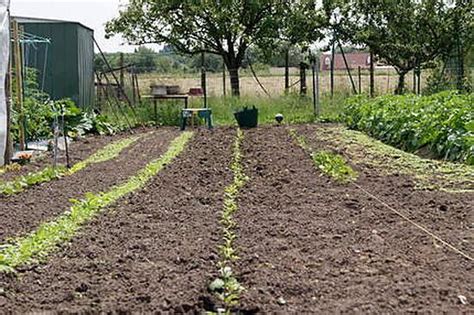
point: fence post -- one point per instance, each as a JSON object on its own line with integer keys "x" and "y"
{"x": 333, "y": 61}
{"x": 303, "y": 86}
{"x": 223, "y": 78}
{"x": 360, "y": 79}
{"x": 287, "y": 70}
{"x": 203, "y": 78}
{"x": 372, "y": 75}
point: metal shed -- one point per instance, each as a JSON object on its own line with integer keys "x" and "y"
{"x": 69, "y": 61}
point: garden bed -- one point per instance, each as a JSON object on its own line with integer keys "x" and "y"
{"x": 156, "y": 250}
{"x": 23, "y": 212}
{"x": 78, "y": 151}
{"x": 305, "y": 241}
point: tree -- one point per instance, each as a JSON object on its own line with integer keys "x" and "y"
{"x": 226, "y": 28}
{"x": 144, "y": 59}
{"x": 407, "y": 34}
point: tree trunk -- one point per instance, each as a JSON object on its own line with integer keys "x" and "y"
{"x": 401, "y": 83}
{"x": 234, "y": 80}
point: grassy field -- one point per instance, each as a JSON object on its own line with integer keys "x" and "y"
{"x": 274, "y": 82}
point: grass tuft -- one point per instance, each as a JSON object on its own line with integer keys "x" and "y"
{"x": 330, "y": 163}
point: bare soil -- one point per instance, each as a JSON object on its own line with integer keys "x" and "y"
{"x": 155, "y": 251}
{"x": 306, "y": 244}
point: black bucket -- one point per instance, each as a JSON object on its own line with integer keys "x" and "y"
{"x": 247, "y": 118}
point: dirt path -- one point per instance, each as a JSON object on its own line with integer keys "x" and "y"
{"x": 21, "y": 213}
{"x": 449, "y": 215}
{"x": 155, "y": 251}
{"x": 310, "y": 245}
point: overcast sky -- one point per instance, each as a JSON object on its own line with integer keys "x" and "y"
{"x": 92, "y": 13}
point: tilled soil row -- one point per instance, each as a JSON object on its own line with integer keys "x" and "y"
{"x": 154, "y": 251}
{"x": 78, "y": 151}
{"x": 448, "y": 215}
{"x": 309, "y": 245}
{"x": 21, "y": 213}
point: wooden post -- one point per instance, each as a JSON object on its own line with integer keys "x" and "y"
{"x": 315, "y": 106}
{"x": 287, "y": 70}
{"x": 224, "y": 88}
{"x": 333, "y": 61}
{"x": 138, "y": 88}
{"x": 203, "y": 78}
{"x": 9, "y": 145}
{"x": 318, "y": 104}
{"x": 388, "y": 80}
{"x": 359, "y": 73}
{"x": 418, "y": 72}
{"x": 122, "y": 79}
{"x": 372, "y": 75}
{"x": 134, "y": 92}
{"x": 19, "y": 83}
{"x": 348, "y": 69}
{"x": 303, "y": 86}
{"x": 414, "y": 81}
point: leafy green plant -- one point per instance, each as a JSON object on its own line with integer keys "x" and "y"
{"x": 227, "y": 287}
{"x": 109, "y": 152}
{"x": 442, "y": 124}
{"x": 331, "y": 164}
{"x": 37, "y": 245}
{"x": 427, "y": 173}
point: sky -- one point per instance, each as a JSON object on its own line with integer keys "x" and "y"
{"x": 91, "y": 13}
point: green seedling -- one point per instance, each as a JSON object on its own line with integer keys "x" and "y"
{"x": 227, "y": 287}
{"x": 109, "y": 152}
{"x": 331, "y": 164}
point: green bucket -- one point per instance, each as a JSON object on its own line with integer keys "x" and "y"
{"x": 247, "y": 118}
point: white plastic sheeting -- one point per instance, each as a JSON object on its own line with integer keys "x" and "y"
{"x": 4, "y": 57}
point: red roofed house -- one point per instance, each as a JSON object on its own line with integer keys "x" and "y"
{"x": 354, "y": 60}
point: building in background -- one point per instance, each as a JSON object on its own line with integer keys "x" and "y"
{"x": 354, "y": 60}
{"x": 66, "y": 66}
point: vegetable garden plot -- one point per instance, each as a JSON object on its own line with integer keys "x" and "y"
{"x": 308, "y": 244}
{"x": 154, "y": 251}
{"x": 23, "y": 212}
{"x": 78, "y": 151}
{"x": 305, "y": 242}
{"x": 450, "y": 215}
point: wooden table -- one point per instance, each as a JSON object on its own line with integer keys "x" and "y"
{"x": 155, "y": 98}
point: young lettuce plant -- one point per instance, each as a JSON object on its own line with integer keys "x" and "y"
{"x": 227, "y": 288}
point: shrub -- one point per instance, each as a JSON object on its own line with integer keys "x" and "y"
{"x": 442, "y": 123}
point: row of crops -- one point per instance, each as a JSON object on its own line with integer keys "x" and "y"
{"x": 440, "y": 125}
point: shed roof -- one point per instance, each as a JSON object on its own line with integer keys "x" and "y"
{"x": 24, "y": 19}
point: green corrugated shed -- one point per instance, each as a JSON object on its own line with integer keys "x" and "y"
{"x": 69, "y": 62}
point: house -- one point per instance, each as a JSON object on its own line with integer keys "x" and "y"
{"x": 354, "y": 60}
{"x": 66, "y": 66}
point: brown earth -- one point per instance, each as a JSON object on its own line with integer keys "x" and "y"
{"x": 448, "y": 215}
{"x": 156, "y": 250}
{"x": 22, "y": 212}
{"x": 309, "y": 245}
{"x": 306, "y": 244}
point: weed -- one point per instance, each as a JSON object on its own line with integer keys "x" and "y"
{"x": 427, "y": 174}
{"x": 331, "y": 164}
